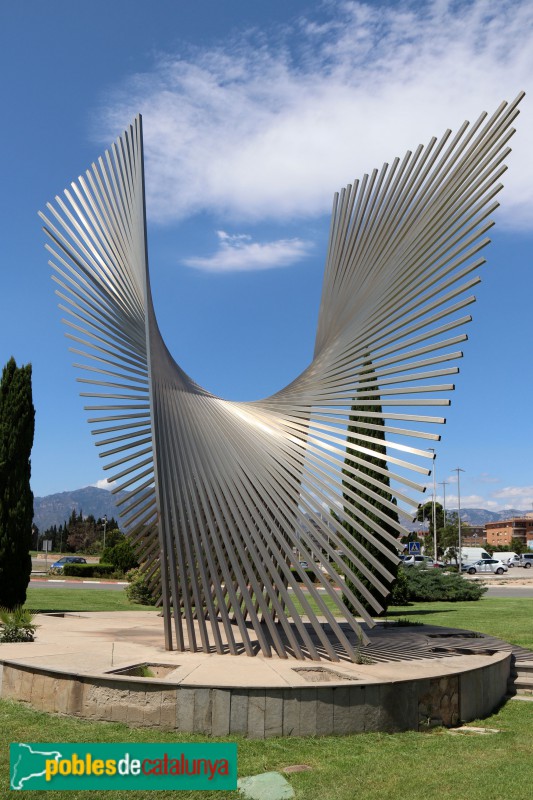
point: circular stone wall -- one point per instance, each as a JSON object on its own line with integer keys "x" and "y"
{"x": 112, "y": 667}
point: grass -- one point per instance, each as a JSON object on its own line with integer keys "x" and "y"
{"x": 81, "y": 600}
{"x": 504, "y": 617}
{"x": 507, "y": 618}
{"x": 407, "y": 766}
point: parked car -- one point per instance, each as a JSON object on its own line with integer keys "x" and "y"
{"x": 68, "y": 560}
{"x": 486, "y": 565}
{"x": 526, "y": 560}
{"x": 417, "y": 561}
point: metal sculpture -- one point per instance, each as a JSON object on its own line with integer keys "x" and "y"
{"x": 224, "y": 500}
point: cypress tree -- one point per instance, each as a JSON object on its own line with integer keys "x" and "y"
{"x": 17, "y": 422}
{"x": 356, "y": 426}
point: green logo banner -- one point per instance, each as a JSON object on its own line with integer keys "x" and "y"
{"x": 58, "y": 766}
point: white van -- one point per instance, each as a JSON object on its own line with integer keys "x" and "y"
{"x": 511, "y": 559}
{"x": 471, "y": 554}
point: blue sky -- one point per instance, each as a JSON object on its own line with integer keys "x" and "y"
{"x": 255, "y": 112}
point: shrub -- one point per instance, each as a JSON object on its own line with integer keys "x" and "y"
{"x": 309, "y": 572}
{"x": 17, "y": 625}
{"x": 89, "y": 570}
{"x": 105, "y": 558}
{"x": 138, "y": 590}
{"x": 400, "y": 590}
{"x": 435, "y": 585}
{"x": 121, "y": 556}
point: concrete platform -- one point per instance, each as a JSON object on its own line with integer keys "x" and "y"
{"x": 409, "y": 678}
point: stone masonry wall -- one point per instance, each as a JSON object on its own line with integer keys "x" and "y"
{"x": 262, "y": 713}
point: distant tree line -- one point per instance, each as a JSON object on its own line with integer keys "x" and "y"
{"x": 82, "y": 534}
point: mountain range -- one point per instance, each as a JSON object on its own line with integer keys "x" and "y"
{"x": 55, "y": 509}
{"x": 478, "y": 516}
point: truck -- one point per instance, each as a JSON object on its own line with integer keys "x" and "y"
{"x": 468, "y": 554}
{"x": 509, "y": 558}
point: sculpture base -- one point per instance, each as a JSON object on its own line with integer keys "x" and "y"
{"x": 113, "y": 667}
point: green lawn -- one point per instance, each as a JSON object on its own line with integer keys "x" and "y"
{"x": 408, "y": 766}
{"x": 81, "y": 600}
{"x": 510, "y": 619}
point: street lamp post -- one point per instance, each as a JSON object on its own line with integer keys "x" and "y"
{"x": 433, "y": 506}
{"x": 458, "y": 470}
{"x": 104, "y": 520}
{"x": 444, "y": 484}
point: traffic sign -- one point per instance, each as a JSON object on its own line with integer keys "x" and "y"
{"x": 414, "y": 548}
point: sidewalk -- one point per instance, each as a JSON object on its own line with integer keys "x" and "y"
{"x": 99, "y": 642}
{"x": 45, "y": 579}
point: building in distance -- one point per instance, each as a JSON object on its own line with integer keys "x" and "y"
{"x": 501, "y": 533}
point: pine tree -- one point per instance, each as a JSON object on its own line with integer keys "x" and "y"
{"x": 357, "y": 424}
{"x": 17, "y": 422}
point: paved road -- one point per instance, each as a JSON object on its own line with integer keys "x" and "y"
{"x": 35, "y": 583}
{"x": 509, "y": 591}
{"x": 40, "y": 563}
{"x": 505, "y": 590}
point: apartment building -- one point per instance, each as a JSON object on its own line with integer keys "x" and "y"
{"x": 500, "y": 533}
{"x": 473, "y": 535}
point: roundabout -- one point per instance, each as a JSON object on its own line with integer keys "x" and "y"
{"x": 113, "y": 667}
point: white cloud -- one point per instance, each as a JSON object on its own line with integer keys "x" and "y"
{"x": 269, "y": 125}
{"x": 486, "y": 477}
{"x": 468, "y": 501}
{"x": 516, "y": 495}
{"x": 239, "y": 253}
{"x": 103, "y": 484}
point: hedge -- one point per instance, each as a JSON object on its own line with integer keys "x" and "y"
{"x": 121, "y": 556}
{"x": 309, "y": 572}
{"x": 88, "y": 570}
